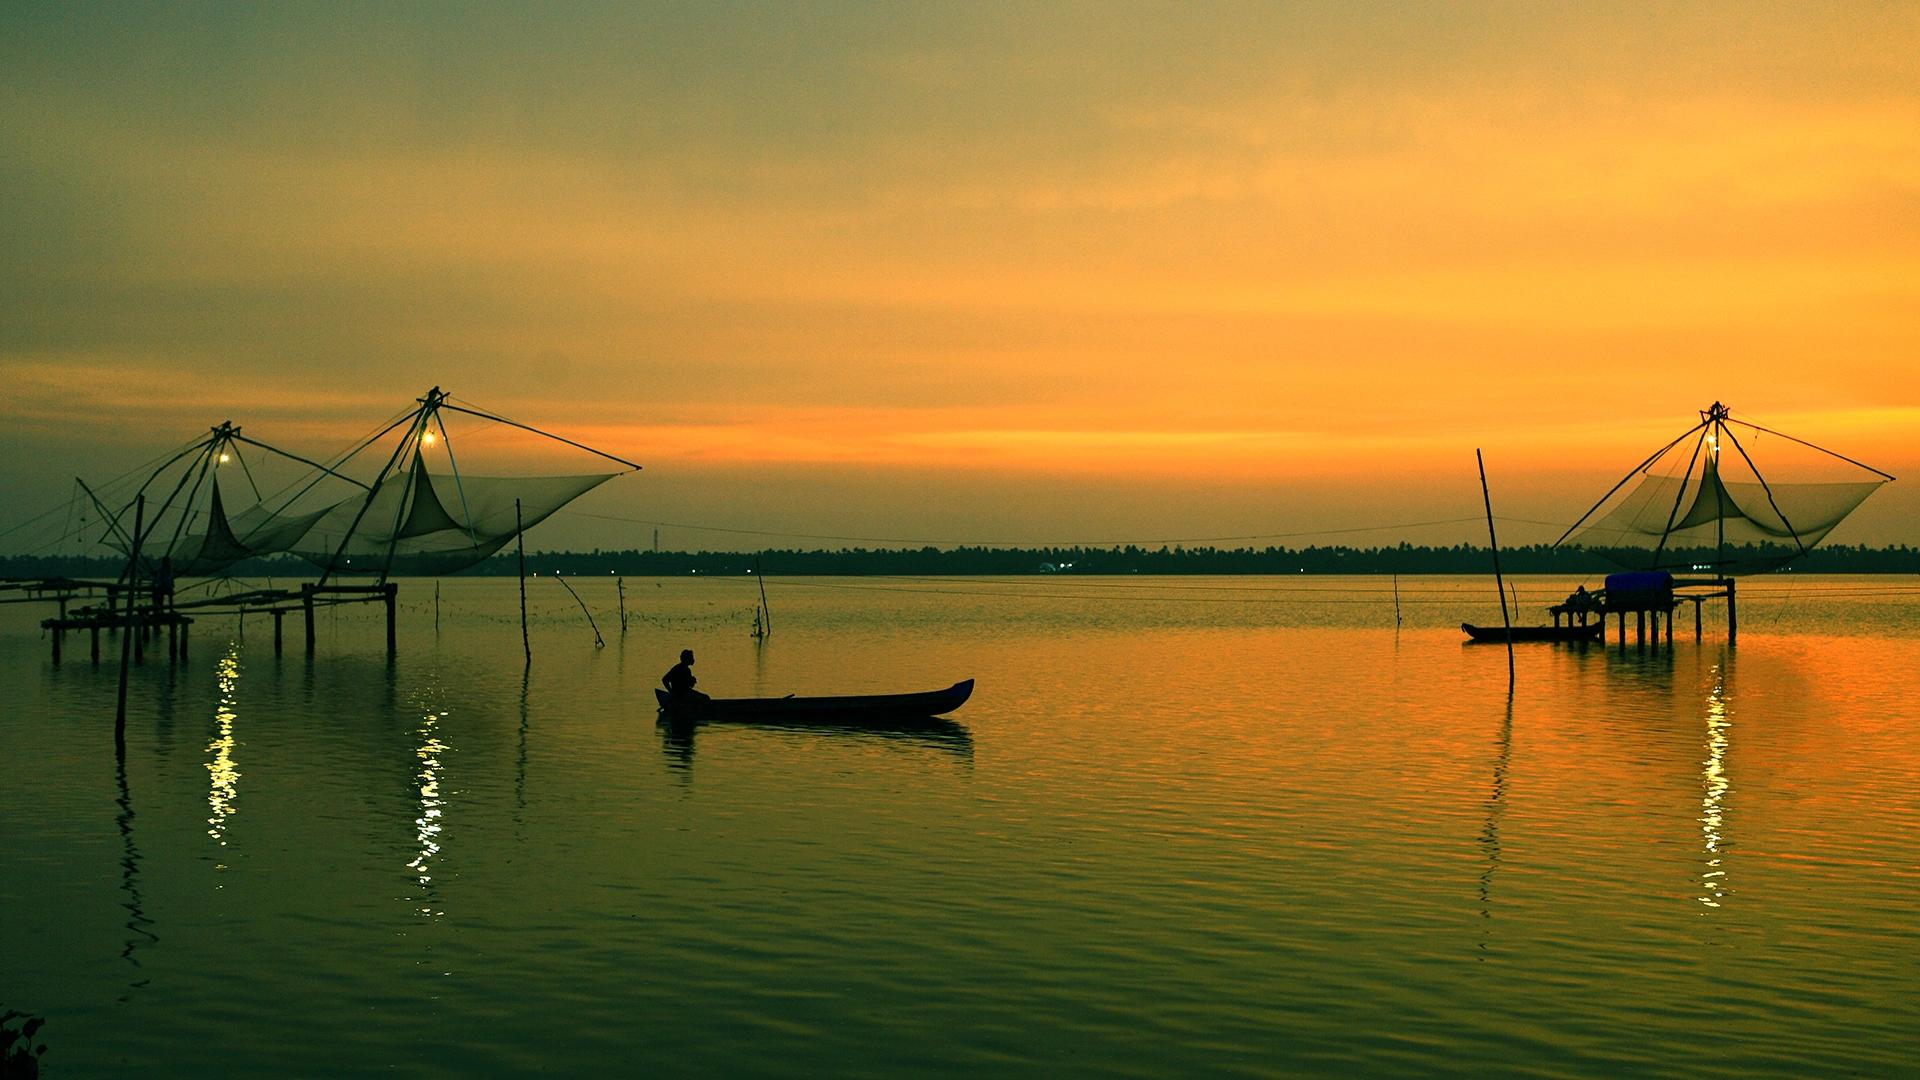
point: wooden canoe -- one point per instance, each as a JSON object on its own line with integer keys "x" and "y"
{"x": 1497, "y": 634}
{"x": 851, "y": 709}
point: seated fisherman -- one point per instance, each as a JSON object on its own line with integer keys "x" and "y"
{"x": 679, "y": 678}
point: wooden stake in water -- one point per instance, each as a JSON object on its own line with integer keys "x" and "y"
{"x": 436, "y": 607}
{"x": 1396, "y": 599}
{"x": 126, "y": 635}
{"x": 1499, "y": 585}
{"x": 598, "y": 641}
{"x": 762, "y": 618}
{"x": 520, "y": 538}
{"x": 620, "y": 589}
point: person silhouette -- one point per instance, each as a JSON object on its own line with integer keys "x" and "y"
{"x": 679, "y": 679}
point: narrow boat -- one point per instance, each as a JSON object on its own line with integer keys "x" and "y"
{"x": 1589, "y": 632}
{"x": 851, "y": 709}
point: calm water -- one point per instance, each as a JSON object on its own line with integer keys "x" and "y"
{"x": 1205, "y": 826}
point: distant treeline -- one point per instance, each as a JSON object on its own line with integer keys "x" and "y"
{"x": 1404, "y": 559}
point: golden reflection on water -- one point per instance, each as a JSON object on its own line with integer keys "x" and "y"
{"x": 223, "y": 773}
{"x": 1713, "y": 879}
{"x": 428, "y": 825}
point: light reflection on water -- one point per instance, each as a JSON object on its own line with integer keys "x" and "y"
{"x": 223, "y": 773}
{"x": 1159, "y": 840}
{"x": 432, "y": 816}
{"x": 1713, "y": 880}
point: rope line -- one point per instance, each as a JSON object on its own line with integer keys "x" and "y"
{"x": 1107, "y": 542}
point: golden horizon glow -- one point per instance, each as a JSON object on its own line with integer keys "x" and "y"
{"x": 1247, "y": 248}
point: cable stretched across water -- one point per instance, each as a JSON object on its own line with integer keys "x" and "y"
{"x": 1104, "y": 542}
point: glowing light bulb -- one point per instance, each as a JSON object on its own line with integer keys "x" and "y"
{"x": 427, "y": 438}
{"x": 225, "y": 457}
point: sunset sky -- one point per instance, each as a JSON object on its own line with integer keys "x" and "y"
{"x": 1000, "y": 272}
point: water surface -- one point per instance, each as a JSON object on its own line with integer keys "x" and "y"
{"x": 1199, "y": 826}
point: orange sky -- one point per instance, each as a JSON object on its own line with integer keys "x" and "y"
{"x": 1016, "y": 272}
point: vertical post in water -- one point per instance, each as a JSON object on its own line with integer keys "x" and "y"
{"x": 126, "y": 639}
{"x": 1499, "y": 583}
{"x": 1733, "y": 615}
{"x": 520, "y": 538}
{"x": 765, "y": 618}
{"x": 436, "y": 607}
{"x": 620, "y": 588}
{"x": 306, "y": 606}
{"x": 1396, "y": 599}
{"x": 388, "y": 592}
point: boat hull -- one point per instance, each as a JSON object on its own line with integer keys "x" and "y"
{"x": 842, "y": 710}
{"x": 1497, "y": 634}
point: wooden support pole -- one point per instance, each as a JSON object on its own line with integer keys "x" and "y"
{"x": 126, "y": 640}
{"x": 306, "y": 603}
{"x": 388, "y": 592}
{"x": 279, "y": 616}
{"x": 1669, "y": 628}
{"x": 1640, "y": 628}
{"x": 1733, "y": 615}
{"x": 184, "y": 624}
{"x": 1696, "y": 620}
{"x": 520, "y": 538}
{"x": 620, "y": 589}
{"x": 1622, "y": 619}
{"x": 436, "y": 607}
{"x": 1498, "y": 584}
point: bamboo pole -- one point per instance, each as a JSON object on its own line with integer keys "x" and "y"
{"x": 598, "y": 641}
{"x": 520, "y": 539}
{"x": 620, "y": 588}
{"x": 765, "y": 618}
{"x": 126, "y": 638}
{"x": 1499, "y": 582}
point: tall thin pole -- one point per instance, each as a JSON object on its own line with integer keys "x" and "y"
{"x": 326, "y": 572}
{"x": 620, "y": 589}
{"x": 126, "y": 635}
{"x": 1396, "y": 599}
{"x": 766, "y": 613}
{"x": 1499, "y": 583}
{"x": 598, "y": 641}
{"x": 520, "y": 538}
{"x": 1720, "y": 518}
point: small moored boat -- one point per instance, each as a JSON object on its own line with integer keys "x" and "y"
{"x": 1590, "y": 632}
{"x": 851, "y": 709}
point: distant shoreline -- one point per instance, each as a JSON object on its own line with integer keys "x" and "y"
{"x": 1039, "y": 562}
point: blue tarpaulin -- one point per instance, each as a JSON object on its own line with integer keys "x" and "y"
{"x": 1639, "y": 581}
